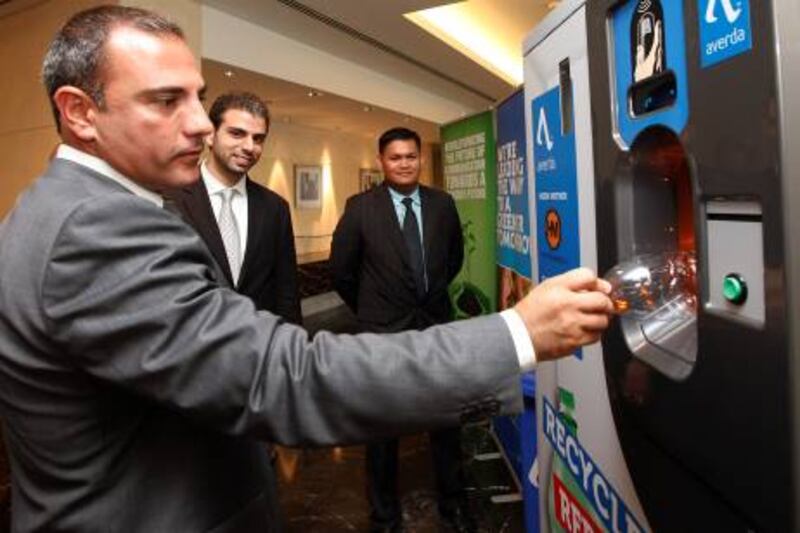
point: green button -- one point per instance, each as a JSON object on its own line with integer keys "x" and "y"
{"x": 734, "y": 289}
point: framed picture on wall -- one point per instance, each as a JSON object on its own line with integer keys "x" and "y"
{"x": 369, "y": 178}
{"x": 308, "y": 186}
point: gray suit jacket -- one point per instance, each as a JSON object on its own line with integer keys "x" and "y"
{"x": 133, "y": 386}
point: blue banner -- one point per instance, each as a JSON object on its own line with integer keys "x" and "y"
{"x": 556, "y": 188}
{"x": 513, "y": 220}
{"x": 555, "y": 167}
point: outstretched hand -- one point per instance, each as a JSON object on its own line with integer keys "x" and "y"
{"x": 566, "y": 312}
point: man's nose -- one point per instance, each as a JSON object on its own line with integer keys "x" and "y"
{"x": 197, "y": 122}
{"x": 248, "y": 145}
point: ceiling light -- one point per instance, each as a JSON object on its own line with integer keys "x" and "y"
{"x": 367, "y": 108}
{"x": 454, "y": 25}
{"x": 312, "y": 93}
{"x": 228, "y": 73}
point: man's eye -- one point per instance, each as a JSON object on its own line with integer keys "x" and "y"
{"x": 166, "y": 101}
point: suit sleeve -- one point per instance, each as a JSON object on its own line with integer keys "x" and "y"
{"x": 456, "y": 241}
{"x": 133, "y": 301}
{"x": 287, "y": 298}
{"x": 346, "y": 252}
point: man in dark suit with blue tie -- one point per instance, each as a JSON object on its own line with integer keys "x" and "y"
{"x": 395, "y": 251}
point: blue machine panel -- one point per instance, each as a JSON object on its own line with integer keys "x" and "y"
{"x": 650, "y": 67}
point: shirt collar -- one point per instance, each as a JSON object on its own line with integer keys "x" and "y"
{"x": 70, "y": 153}
{"x": 399, "y": 197}
{"x": 214, "y": 185}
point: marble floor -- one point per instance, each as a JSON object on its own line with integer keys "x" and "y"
{"x": 324, "y": 490}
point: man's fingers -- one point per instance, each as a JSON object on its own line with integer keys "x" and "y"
{"x": 594, "y": 302}
{"x": 579, "y": 279}
{"x": 592, "y": 338}
{"x": 595, "y": 324}
{"x": 603, "y": 286}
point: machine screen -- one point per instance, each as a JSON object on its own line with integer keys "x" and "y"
{"x": 654, "y": 93}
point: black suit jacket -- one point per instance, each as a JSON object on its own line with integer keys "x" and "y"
{"x": 269, "y": 270}
{"x": 370, "y": 260}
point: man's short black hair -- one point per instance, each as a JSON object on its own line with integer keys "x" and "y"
{"x": 398, "y": 134}
{"x": 243, "y": 101}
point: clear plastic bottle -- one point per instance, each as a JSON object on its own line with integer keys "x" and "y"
{"x": 647, "y": 283}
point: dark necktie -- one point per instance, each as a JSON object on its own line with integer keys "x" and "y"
{"x": 414, "y": 244}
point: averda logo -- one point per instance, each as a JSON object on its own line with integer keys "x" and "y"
{"x": 543, "y": 131}
{"x": 725, "y": 30}
{"x": 731, "y": 13}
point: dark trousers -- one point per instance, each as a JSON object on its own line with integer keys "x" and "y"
{"x": 382, "y": 476}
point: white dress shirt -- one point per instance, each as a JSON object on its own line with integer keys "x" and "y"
{"x": 98, "y": 165}
{"x": 238, "y": 203}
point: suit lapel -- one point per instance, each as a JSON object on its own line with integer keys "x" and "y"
{"x": 388, "y": 219}
{"x": 428, "y": 223}
{"x": 198, "y": 206}
{"x": 255, "y": 228}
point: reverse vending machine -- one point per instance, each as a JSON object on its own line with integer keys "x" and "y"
{"x": 664, "y": 143}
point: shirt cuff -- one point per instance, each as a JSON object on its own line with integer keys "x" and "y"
{"x": 523, "y": 343}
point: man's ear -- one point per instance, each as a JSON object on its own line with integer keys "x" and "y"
{"x": 209, "y": 139}
{"x": 77, "y": 112}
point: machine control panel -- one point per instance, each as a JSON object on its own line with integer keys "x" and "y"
{"x": 735, "y": 273}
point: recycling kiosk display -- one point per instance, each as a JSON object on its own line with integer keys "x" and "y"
{"x": 663, "y": 128}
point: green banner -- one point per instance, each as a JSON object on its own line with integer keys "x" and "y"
{"x": 468, "y": 152}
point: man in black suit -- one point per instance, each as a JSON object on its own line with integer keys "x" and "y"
{"x": 395, "y": 251}
{"x": 253, "y": 240}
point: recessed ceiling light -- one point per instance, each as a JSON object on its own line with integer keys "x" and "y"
{"x": 312, "y": 93}
{"x": 485, "y": 44}
{"x": 367, "y": 108}
{"x": 228, "y": 73}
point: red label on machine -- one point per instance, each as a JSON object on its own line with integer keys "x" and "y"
{"x": 569, "y": 513}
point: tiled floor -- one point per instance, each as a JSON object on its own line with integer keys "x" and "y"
{"x": 324, "y": 490}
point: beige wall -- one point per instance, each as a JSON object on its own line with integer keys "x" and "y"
{"x": 28, "y": 136}
{"x": 187, "y": 13}
{"x": 340, "y": 155}
{"x": 27, "y": 133}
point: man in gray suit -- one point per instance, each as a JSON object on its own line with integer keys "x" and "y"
{"x": 133, "y": 385}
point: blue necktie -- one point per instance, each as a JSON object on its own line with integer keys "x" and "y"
{"x": 414, "y": 244}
